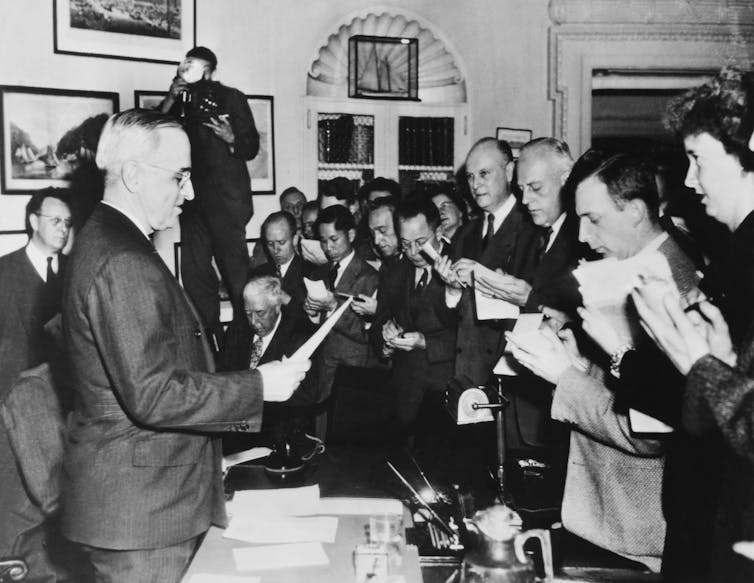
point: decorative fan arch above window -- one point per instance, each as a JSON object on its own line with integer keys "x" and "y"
{"x": 441, "y": 79}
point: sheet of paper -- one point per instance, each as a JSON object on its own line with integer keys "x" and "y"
{"x": 643, "y": 423}
{"x": 307, "y": 348}
{"x": 494, "y": 308}
{"x": 430, "y": 251}
{"x": 211, "y": 578}
{"x": 526, "y": 324}
{"x": 280, "y": 556}
{"x": 356, "y": 506}
{"x": 278, "y": 501}
{"x": 282, "y": 529}
{"x": 315, "y": 288}
{"x": 254, "y": 453}
{"x": 315, "y": 249}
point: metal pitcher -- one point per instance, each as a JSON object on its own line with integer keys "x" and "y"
{"x": 495, "y": 552}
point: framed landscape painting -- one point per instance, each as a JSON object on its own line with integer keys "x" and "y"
{"x": 516, "y": 138}
{"x": 48, "y": 133}
{"x": 160, "y": 31}
{"x": 262, "y": 167}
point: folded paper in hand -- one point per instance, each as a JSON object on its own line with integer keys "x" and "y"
{"x": 315, "y": 249}
{"x": 315, "y": 288}
{"x": 307, "y": 348}
{"x": 606, "y": 284}
{"x": 527, "y": 325}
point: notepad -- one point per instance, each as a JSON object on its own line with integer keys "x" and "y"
{"x": 278, "y": 501}
{"x": 314, "y": 248}
{"x": 493, "y": 308}
{"x": 280, "y": 556}
{"x": 282, "y": 529}
{"x": 315, "y": 288}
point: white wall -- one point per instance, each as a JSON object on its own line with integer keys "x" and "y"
{"x": 265, "y": 47}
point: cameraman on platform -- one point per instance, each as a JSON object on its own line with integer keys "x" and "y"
{"x": 223, "y": 137}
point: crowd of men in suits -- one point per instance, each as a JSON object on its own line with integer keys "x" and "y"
{"x": 146, "y": 395}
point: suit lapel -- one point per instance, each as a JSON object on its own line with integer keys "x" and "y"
{"x": 350, "y": 275}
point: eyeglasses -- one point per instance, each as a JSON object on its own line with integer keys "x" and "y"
{"x": 409, "y": 246}
{"x": 55, "y": 221}
{"x": 182, "y": 176}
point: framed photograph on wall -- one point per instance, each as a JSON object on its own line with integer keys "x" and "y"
{"x": 159, "y": 31}
{"x": 516, "y": 138}
{"x": 148, "y": 99}
{"x": 262, "y": 167}
{"x": 48, "y": 133}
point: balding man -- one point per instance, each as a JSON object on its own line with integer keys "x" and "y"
{"x": 141, "y": 478}
{"x": 281, "y": 239}
{"x": 501, "y": 238}
{"x": 292, "y": 200}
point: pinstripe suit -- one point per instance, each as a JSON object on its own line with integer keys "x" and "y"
{"x": 140, "y": 470}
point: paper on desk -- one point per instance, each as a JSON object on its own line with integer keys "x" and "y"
{"x": 282, "y": 529}
{"x": 212, "y": 578}
{"x": 526, "y": 324}
{"x": 356, "y": 506}
{"x": 307, "y": 348}
{"x": 244, "y": 456}
{"x": 315, "y": 249}
{"x": 493, "y": 308}
{"x": 278, "y": 501}
{"x": 279, "y": 556}
{"x": 315, "y": 288}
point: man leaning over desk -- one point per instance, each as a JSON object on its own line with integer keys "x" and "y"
{"x": 142, "y": 478}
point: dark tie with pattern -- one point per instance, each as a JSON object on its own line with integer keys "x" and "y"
{"x": 256, "y": 352}
{"x": 543, "y": 242}
{"x": 490, "y": 231}
{"x": 333, "y": 275}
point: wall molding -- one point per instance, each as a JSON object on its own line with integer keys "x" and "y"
{"x": 576, "y": 50}
{"x": 652, "y": 11}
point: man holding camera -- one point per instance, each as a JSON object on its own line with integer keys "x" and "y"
{"x": 223, "y": 137}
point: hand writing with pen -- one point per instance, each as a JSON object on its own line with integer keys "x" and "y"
{"x": 396, "y": 338}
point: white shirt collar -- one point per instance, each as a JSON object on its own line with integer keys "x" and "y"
{"x": 39, "y": 260}
{"x": 267, "y": 339}
{"x": 284, "y": 267}
{"x": 147, "y": 232}
{"x": 500, "y": 214}
{"x": 418, "y": 273}
{"x": 654, "y": 244}
{"x": 343, "y": 265}
{"x": 555, "y": 230}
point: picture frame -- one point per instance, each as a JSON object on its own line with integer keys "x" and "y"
{"x": 48, "y": 133}
{"x": 154, "y": 31}
{"x": 515, "y": 137}
{"x": 383, "y": 67}
{"x": 262, "y": 167}
{"x": 12, "y": 240}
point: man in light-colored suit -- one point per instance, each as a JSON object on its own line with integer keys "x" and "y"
{"x": 614, "y": 483}
{"x": 141, "y": 476}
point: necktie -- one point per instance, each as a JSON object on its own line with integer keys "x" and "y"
{"x": 256, "y": 352}
{"x": 51, "y": 275}
{"x": 333, "y": 275}
{"x": 422, "y": 283}
{"x": 490, "y": 231}
{"x": 278, "y": 273}
{"x": 542, "y": 245}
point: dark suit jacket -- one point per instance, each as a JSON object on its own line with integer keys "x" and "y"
{"x": 140, "y": 471}
{"x": 221, "y": 177}
{"x": 293, "y": 280}
{"x": 553, "y": 283}
{"x": 27, "y": 304}
{"x": 418, "y": 370}
{"x": 513, "y": 249}
{"x": 348, "y": 341}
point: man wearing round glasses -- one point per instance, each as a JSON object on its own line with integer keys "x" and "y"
{"x": 30, "y": 284}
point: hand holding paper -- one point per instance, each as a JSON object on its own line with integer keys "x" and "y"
{"x": 308, "y": 348}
